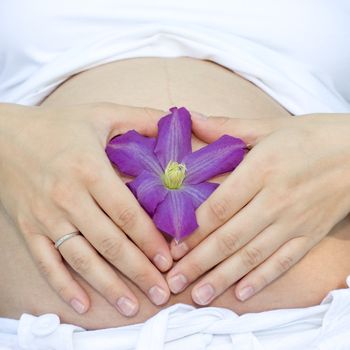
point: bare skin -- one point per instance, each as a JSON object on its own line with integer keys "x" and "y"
{"x": 161, "y": 83}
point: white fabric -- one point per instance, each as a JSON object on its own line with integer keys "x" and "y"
{"x": 296, "y": 51}
{"x": 322, "y": 327}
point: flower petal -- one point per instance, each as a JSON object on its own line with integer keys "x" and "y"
{"x": 149, "y": 190}
{"x": 217, "y": 158}
{"x": 176, "y": 215}
{"x": 133, "y": 153}
{"x": 174, "y": 136}
{"x": 199, "y": 192}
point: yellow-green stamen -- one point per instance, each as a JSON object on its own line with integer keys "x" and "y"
{"x": 174, "y": 175}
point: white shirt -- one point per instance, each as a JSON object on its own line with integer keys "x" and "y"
{"x": 296, "y": 51}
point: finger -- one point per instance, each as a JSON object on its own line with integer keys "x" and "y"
{"x": 224, "y": 242}
{"x": 251, "y": 131}
{"x": 119, "y": 119}
{"x": 83, "y": 258}
{"x": 144, "y": 120}
{"x": 122, "y": 207}
{"x": 51, "y": 266}
{"x": 114, "y": 246}
{"x": 280, "y": 262}
{"x": 238, "y": 265}
{"x": 232, "y": 195}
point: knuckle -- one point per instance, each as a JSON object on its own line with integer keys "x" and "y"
{"x": 219, "y": 208}
{"x": 260, "y": 282}
{"x": 251, "y": 257}
{"x": 111, "y": 248}
{"x": 86, "y": 167}
{"x": 44, "y": 269}
{"x": 222, "y": 278}
{"x": 228, "y": 243}
{"x": 261, "y": 161}
{"x": 277, "y": 199}
{"x": 126, "y": 218}
{"x": 142, "y": 278}
{"x": 111, "y": 290}
{"x": 80, "y": 263}
{"x": 61, "y": 193}
{"x": 39, "y": 210}
{"x": 90, "y": 174}
{"x": 26, "y": 225}
{"x": 224, "y": 121}
{"x": 196, "y": 269}
{"x": 44, "y": 216}
{"x": 64, "y": 291}
{"x": 285, "y": 263}
{"x": 266, "y": 165}
{"x": 279, "y": 194}
{"x": 148, "y": 247}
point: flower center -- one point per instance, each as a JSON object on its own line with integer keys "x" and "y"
{"x": 174, "y": 175}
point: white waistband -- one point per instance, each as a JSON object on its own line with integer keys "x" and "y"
{"x": 325, "y": 326}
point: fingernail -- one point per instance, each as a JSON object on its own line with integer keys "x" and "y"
{"x": 177, "y": 283}
{"x": 161, "y": 262}
{"x": 199, "y": 116}
{"x": 203, "y": 294}
{"x": 126, "y": 306}
{"x": 158, "y": 295}
{"x": 179, "y": 250}
{"x": 245, "y": 293}
{"x": 78, "y": 306}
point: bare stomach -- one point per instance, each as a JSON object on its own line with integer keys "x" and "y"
{"x": 161, "y": 83}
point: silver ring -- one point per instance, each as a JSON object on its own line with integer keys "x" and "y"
{"x": 65, "y": 238}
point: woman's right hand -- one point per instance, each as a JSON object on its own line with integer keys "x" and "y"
{"x": 55, "y": 178}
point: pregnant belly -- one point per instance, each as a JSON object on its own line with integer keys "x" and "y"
{"x": 161, "y": 83}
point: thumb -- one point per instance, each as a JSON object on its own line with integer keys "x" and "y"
{"x": 142, "y": 119}
{"x": 251, "y": 131}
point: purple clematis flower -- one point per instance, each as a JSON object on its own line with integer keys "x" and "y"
{"x": 171, "y": 181}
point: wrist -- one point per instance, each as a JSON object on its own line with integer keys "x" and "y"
{"x": 12, "y": 122}
{"x": 330, "y": 134}
{"x": 12, "y": 118}
{"x": 332, "y": 129}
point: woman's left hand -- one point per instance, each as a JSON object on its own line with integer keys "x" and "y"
{"x": 291, "y": 189}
